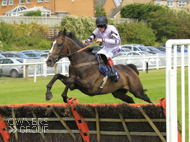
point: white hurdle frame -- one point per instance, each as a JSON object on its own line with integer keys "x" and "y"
{"x": 171, "y": 89}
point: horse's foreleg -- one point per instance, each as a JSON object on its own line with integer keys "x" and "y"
{"x": 68, "y": 84}
{"x": 50, "y": 84}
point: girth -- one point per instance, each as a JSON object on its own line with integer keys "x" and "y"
{"x": 84, "y": 64}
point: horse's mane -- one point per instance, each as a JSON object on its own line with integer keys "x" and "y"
{"x": 72, "y": 36}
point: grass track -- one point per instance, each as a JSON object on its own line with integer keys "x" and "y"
{"x": 18, "y": 91}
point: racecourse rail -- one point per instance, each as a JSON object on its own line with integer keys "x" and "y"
{"x": 155, "y": 61}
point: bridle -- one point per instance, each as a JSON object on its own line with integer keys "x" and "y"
{"x": 61, "y": 51}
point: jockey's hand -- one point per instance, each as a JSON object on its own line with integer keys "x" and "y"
{"x": 99, "y": 40}
{"x": 84, "y": 42}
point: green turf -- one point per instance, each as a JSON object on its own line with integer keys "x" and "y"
{"x": 17, "y": 90}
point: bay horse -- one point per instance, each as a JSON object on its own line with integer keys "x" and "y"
{"x": 84, "y": 72}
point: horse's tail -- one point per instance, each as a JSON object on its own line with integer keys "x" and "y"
{"x": 145, "y": 90}
{"x": 133, "y": 67}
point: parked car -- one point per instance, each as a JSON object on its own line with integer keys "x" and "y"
{"x": 135, "y": 47}
{"x": 155, "y": 50}
{"x": 162, "y": 45}
{"x": 1, "y": 51}
{"x": 179, "y": 48}
{"x": 123, "y": 52}
{"x": 1, "y": 56}
{"x": 44, "y": 55}
{"x": 46, "y": 51}
{"x": 24, "y": 51}
{"x": 15, "y": 54}
{"x": 139, "y": 62}
{"x": 33, "y": 55}
{"x": 161, "y": 48}
{"x": 13, "y": 71}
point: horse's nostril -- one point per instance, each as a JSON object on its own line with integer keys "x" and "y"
{"x": 48, "y": 61}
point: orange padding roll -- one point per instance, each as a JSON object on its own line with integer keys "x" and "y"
{"x": 4, "y": 130}
{"x": 65, "y": 104}
{"x": 82, "y": 125}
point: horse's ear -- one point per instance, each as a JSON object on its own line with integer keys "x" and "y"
{"x": 55, "y": 34}
{"x": 64, "y": 32}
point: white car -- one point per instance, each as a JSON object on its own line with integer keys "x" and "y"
{"x": 139, "y": 58}
{"x": 135, "y": 47}
{"x": 13, "y": 71}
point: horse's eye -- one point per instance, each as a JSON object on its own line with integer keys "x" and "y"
{"x": 59, "y": 45}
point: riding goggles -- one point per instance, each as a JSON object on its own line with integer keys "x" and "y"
{"x": 101, "y": 26}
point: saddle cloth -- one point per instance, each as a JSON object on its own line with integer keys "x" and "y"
{"x": 105, "y": 71}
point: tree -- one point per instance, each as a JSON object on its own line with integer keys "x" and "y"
{"x": 140, "y": 11}
{"x": 99, "y": 11}
{"x": 183, "y": 22}
{"x": 163, "y": 22}
{"x": 136, "y": 33}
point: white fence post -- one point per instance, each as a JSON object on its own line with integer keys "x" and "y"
{"x": 144, "y": 63}
{"x": 157, "y": 61}
{"x": 35, "y": 73}
{"x": 63, "y": 66}
{"x": 24, "y": 68}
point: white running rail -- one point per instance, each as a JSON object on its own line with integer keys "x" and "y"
{"x": 171, "y": 88}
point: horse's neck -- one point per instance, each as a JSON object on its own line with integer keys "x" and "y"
{"x": 79, "y": 57}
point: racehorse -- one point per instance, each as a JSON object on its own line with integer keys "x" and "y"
{"x": 84, "y": 72}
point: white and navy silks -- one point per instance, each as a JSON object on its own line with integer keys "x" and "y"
{"x": 111, "y": 40}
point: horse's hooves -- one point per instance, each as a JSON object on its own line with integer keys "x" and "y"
{"x": 49, "y": 96}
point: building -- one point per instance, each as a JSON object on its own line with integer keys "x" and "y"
{"x": 171, "y": 3}
{"x": 112, "y": 7}
{"x": 57, "y": 7}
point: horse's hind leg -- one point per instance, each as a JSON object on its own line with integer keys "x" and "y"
{"x": 121, "y": 94}
{"x": 50, "y": 84}
{"x": 141, "y": 95}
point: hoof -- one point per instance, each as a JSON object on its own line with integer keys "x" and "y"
{"x": 49, "y": 96}
{"x": 65, "y": 100}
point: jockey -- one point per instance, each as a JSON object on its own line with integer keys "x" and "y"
{"x": 109, "y": 36}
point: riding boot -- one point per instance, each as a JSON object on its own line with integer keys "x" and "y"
{"x": 113, "y": 75}
{"x": 112, "y": 70}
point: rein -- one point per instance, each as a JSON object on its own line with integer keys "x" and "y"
{"x": 78, "y": 50}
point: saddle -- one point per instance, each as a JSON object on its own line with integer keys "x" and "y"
{"x": 103, "y": 68}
